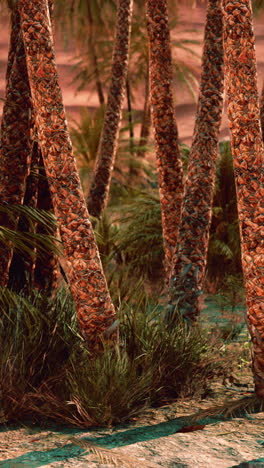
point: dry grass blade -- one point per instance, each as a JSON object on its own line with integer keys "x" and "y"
{"x": 233, "y": 408}
{"x": 111, "y": 456}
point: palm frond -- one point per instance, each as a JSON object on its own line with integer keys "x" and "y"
{"x": 110, "y": 456}
{"x": 233, "y": 408}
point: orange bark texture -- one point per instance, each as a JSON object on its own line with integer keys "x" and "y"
{"x": 262, "y": 111}
{"x": 21, "y": 269}
{"x": 100, "y": 184}
{"x": 247, "y": 149}
{"x": 94, "y": 307}
{"x": 189, "y": 268}
{"x": 169, "y": 163}
{"x": 15, "y": 141}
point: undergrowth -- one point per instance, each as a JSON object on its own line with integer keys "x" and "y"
{"x": 46, "y": 372}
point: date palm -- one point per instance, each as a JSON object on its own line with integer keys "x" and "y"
{"x": 15, "y": 140}
{"x": 247, "y": 149}
{"x": 262, "y": 110}
{"x": 169, "y": 164}
{"x": 94, "y": 307}
{"x": 21, "y": 270}
{"x": 100, "y": 184}
{"x": 189, "y": 268}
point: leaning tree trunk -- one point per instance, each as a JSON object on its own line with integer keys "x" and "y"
{"x": 247, "y": 149}
{"x": 100, "y": 185}
{"x": 166, "y": 134}
{"x": 15, "y": 141}
{"x": 189, "y": 269}
{"x": 22, "y": 270}
{"x": 22, "y": 266}
{"x": 94, "y": 307}
{"x": 262, "y": 111}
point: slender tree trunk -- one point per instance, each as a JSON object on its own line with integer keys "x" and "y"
{"x": 247, "y": 149}
{"x": 262, "y": 111}
{"x": 146, "y": 120}
{"x": 163, "y": 118}
{"x": 189, "y": 269}
{"x": 100, "y": 185}
{"x": 130, "y": 117}
{"x": 92, "y": 51}
{"x": 94, "y": 307}
{"x": 15, "y": 141}
{"x": 22, "y": 267}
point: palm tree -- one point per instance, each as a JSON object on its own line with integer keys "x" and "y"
{"x": 15, "y": 140}
{"x": 94, "y": 307}
{"x": 100, "y": 185}
{"x": 22, "y": 267}
{"x": 146, "y": 120}
{"x": 247, "y": 149}
{"x": 163, "y": 118}
{"x": 262, "y": 111}
{"x": 189, "y": 269}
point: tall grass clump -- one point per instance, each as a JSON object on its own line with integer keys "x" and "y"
{"x": 47, "y": 373}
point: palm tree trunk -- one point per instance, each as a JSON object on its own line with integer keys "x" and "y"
{"x": 94, "y": 307}
{"x": 22, "y": 267}
{"x": 247, "y": 149}
{"x": 166, "y": 134}
{"x": 262, "y": 111}
{"x": 15, "y": 141}
{"x": 13, "y": 44}
{"x": 146, "y": 120}
{"x": 130, "y": 117}
{"x": 100, "y": 185}
{"x": 189, "y": 269}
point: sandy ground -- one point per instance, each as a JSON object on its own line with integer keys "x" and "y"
{"x": 154, "y": 440}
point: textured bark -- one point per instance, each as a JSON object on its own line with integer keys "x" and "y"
{"x": 262, "y": 111}
{"x": 14, "y": 43}
{"x": 247, "y": 149}
{"x": 189, "y": 269}
{"x": 130, "y": 118}
{"x": 100, "y": 185}
{"x": 94, "y": 308}
{"x": 22, "y": 266}
{"x": 166, "y": 134}
{"x": 15, "y": 141}
{"x": 146, "y": 121}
